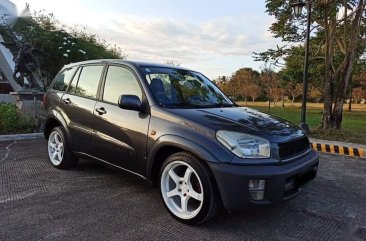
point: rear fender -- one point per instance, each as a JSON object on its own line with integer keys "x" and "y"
{"x": 53, "y": 114}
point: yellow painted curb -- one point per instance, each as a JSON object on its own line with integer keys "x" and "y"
{"x": 341, "y": 150}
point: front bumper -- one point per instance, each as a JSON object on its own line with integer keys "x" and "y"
{"x": 283, "y": 181}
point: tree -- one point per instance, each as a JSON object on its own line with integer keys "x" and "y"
{"x": 254, "y": 91}
{"x": 358, "y": 80}
{"x": 291, "y": 74}
{"x": 269, "y": 83}
{"x": 315, "y": 94}
{"x": 359, "y": 94}
{"x": 233, "y": 86}
{"x": 337, "y": 78}
{"x": 290, "y": 78}
{"x": 277, "y": 93}
{"x": 338, "y": 38}
{"x": 294, "y": 91}
{"x": 223, "y": 83}
{"x": 241, "y": 79}
{"x": 62, "y": 44}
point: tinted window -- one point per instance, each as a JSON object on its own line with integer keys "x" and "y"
{"x": 89, "y": 81}
{"x": 63, "y": 80}
{"x": 72, "y": 86}
{"x": 179, "y": 88}
{"x": 120, "y": 81}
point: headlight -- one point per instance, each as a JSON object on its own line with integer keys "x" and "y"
{"x": 244, "y": 145}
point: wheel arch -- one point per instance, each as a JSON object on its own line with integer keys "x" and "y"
{"x": 54, "y": 119}
{"x": 168, "y": 145}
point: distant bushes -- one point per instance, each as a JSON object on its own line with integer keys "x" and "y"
{"x": 12, "y": 121}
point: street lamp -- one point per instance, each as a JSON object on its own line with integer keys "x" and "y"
{"x": 297, "y": 7}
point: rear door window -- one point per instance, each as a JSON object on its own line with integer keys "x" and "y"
{"x": 89, "y": 80}
{"x": 120, "y": 81}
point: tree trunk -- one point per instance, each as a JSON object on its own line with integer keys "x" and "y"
{"x": 350, "y": 102}
{"x": 283, "y": 100}
{"x": 342, "y": 74}
{"x": 338, "y": 114}
{"x": 344, "y": 84}
{"x": 326, "y": 121}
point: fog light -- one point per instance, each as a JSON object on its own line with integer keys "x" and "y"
{"x": 256, "y": 184}
{"x": 256, "y": 189}
{"x": 257, "y": 195}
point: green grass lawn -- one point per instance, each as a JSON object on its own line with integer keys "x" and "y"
{"x": 353, "y": 126}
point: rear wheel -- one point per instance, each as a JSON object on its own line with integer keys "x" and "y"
{"x": 188, "y": 189}
{"x": 59, "y": 153}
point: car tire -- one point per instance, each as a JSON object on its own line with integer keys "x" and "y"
{"x": 59, "y": 152}
{"x": 188, "y": 189}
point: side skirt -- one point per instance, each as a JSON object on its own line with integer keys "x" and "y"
{"x": 113, "y": 166}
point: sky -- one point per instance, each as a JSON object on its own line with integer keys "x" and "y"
{"x": 213, "y": 37}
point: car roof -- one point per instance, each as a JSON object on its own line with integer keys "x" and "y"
{"x": 127, "y": 62}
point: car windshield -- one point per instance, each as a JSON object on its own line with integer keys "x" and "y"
{"x": 177, "y": 88}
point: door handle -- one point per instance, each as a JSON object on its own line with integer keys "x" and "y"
{"x": 101, "y": 111}
{"x": 67, "y": 101}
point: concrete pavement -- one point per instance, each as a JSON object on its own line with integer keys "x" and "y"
{"x": 91, "y": 202}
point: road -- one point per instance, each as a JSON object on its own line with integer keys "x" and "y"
{"x": 91, "y": 202}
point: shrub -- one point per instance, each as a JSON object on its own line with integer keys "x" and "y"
{"x": 12, "y": 121}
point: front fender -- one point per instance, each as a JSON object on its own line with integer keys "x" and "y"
{"x": 179, "y": 142}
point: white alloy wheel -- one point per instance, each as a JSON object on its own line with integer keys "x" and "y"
{"x": 55, "y": 148}
{"x": 182, "y": 189}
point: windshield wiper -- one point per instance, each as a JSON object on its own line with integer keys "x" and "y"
{"x": 216, "y": 105}
{"x": 176, "y": 105}
{"x": 192, "y": 106}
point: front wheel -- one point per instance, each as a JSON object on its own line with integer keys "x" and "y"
{"x": 188, "y": 189}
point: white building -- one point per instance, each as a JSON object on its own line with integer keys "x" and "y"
{"x": 8, "y": 13}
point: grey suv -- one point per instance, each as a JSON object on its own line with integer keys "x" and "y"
{"x": 174, "y": 128}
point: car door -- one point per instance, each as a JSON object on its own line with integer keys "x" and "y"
{"x": 78, "y": 104}
{"x": 119, "y": 135}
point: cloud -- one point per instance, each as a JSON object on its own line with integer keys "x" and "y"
{"x": 159, "y": 38}
{"x": 216, "y": 42}
{"x": 215, "y": 39}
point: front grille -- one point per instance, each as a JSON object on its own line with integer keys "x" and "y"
{"x": 293, "y": 148}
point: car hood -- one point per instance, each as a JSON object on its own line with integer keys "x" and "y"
{"x": 245, "y": 120}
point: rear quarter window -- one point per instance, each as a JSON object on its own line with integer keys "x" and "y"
{"x": 63, "y": 80}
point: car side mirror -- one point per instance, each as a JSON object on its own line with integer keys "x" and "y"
{"x": 130, "y": 102}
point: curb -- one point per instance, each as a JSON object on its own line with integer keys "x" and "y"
{"x": 339, "y": 149}
{"x": 18, "y": 137}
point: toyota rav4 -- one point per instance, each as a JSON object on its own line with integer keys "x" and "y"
{"x": 174, "y": 128}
